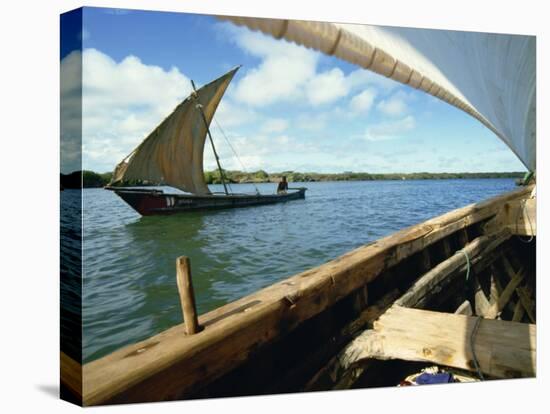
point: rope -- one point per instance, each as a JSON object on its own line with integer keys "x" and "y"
{"x": 467, "y": 263}
{"x": 234, "y": 152}
{"x": 467, "y": 293}
{"x": 472, "y": 336}
{"x": 478, "y": 320}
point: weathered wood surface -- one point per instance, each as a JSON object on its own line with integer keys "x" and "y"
{"x": 187, "y": 295}
{"x": 332, "y": 370}
{"x": 457, "y": 263}
{"x": 495, "y": 309}
{"x": 520, "y": 216}
{"x": 524, "y": 292}
{"x": 527, "y": 303}
{"x": 504, "y": 349}
{"x": 171, "y": 365}
{"x": 465, "y": 309}
{"x": 463, "y": 237}
{"x": 446, "y": 247}
{"x": 71, "y": 375}
{"x": 519, "y": 311}
{"x": 339, "y": 373}
{"x": 482, "y": 304}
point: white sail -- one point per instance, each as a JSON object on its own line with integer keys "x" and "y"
{"x": 489, "y": 76}
{"x": 173, "y": 153}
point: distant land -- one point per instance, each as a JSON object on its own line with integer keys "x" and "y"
{"x": 91, "y": 179}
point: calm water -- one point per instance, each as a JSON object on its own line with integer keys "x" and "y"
{"x": 130, "y": 289}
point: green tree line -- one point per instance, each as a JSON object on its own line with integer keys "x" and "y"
{"x": 91, "y": 179}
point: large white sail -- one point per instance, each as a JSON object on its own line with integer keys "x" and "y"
{"x": 173, "y": 153}
{"x": 489, "y": 76}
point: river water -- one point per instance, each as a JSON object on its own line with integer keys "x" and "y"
{"x": 129, "y": 287}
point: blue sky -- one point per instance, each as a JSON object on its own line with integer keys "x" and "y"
{"x": 288, "y": 108}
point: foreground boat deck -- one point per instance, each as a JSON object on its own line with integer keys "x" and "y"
{"x": 293, "y": 335}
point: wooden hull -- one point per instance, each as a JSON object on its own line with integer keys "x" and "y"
{"x": 155, "y": 202}
{"x": 312, "y": 330}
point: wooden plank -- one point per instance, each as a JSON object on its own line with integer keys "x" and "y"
{"x": 462, "y": 237}
{"x": 523, "y": 229}
{"x": 481, "y": 251}
{"x": 482, "y": 304}
{"x": 187, "y": 295}
{"x": 465, "y": 309}
{"x": 71, "y": 375}
{"x": 508, "y": 267}
{"x": 497, "y": 290}
{"x": 446, "y": 247}
{"x": 454, "y": 264}
{"x": 519, "y": 311}
{"x": 426, "y": 259}
{"x": 171, "y": 364}
{"x": 521, "y": 216}
{"x": 337, "y": 373}
{"x": 506, "y": 295}
{"x": 524, "y": 294}
{"x": 504, "y": 349}
{"x": 325, "y": 377}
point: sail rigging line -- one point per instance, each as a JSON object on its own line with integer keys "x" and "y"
{"x": 234, "y": 152}
{"x": 199, "y": 107}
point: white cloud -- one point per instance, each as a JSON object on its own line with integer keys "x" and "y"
{"x": 71, "y": 114}
{"x": 393, "y": 106}
{"x": 327, "y": 87}
{"x": 288, "y": 73}
{"x": 363, "y": 77}
{"x": 229, "y": 114}
{"x": 284, "y": 69}
{"x": 390, "y": 130}
{"x": 130, "y": 83}
{"x": 124, "y": 101}
{"x": 275, "y": 125}
{"x": 362, "y": 102}
{"x": 319, "y": 120}
{"x": 121, "y": 103}
{"x": 397, "y": 104}
{"x": 312, "y": 122}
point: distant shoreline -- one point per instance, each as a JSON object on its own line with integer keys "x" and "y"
{"x": 91, "y": 179}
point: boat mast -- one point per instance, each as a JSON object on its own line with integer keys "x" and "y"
{"x": 199, "y": 107}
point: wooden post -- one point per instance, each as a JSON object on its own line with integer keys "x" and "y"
{"x": 446, "y": 247}
{"x": 187, "y": 295}
{"x": 463, "y": 237}
{"x": 426, "y": 259}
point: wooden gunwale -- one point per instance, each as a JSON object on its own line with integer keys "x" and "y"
{"x": 171, "y": 365}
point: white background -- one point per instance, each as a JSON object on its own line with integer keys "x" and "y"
{"x": 29, "y": 232}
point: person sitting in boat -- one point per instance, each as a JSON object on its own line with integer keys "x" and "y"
{"x": 283, "y": 186}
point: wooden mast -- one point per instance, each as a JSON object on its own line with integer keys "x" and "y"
{"x": 199, "y": 107}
